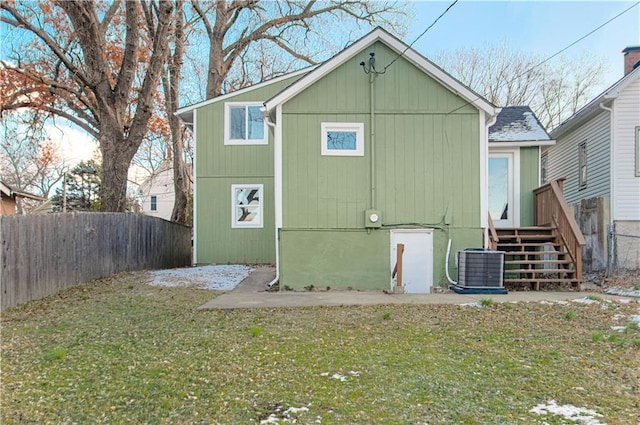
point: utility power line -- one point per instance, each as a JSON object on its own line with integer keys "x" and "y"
{"x": 555, "y": 54}
{"x": 420, "y": 36}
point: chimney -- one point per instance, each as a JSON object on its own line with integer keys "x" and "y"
{"x": 631, "y": 58}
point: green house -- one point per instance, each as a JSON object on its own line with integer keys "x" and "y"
{"x": 323, "y": 172}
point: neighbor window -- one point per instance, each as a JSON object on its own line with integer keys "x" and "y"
{"x": 637, "y": 151}
{"x": 154, "y": 203}
{"x": 342, "y": 139}
{"x": 246, "y": 205}
{"x": 582, "y": 165}
{"x": 244, "y": 124}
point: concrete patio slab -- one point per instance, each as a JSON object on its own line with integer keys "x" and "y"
{"x": 252, "y": 293}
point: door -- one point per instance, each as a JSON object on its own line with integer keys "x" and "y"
{"x": 417, "y": 259}
{"x": 504, "y": 182}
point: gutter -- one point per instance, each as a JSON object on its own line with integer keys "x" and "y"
{"x": 273, "y": 126}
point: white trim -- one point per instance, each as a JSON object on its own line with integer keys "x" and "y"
{"x": 277, "y": 150}
{"x": 523, "y": 144}
{"x": 235, "y": 224}
{"x": 227, "y": 125}
{"x": 347, "y": 127}
{"x": 399, "y": 47}
{"x": 186, "y": 109}
{"x": 195, "y": 187}
{"x": 484, "y": 169}
{"x": 514, "y": 191}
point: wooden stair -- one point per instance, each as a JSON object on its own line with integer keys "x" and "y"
{"x": 535, "y": 256}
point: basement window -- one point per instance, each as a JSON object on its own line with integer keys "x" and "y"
{"x": 244, "y": 124}
{"x": 342, "y": 139}
{"x": 246, "y": 205}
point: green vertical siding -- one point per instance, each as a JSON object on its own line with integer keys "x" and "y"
{"x": 529, "y": 180}
{"x": 217, "y": 168}
{"x": 427, "y": 161}
{"x": 217, "y": 241}
{"x": 340, "y": 259}
{"x": 427, "y": 170}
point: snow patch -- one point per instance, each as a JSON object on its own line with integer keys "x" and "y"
{"x": 585, "y": 300}
{"x": 624, "y": 292}
{"x": 216, "y": 278}
{"x": 340, "y": 377}
{"x": 568, "y": 411}
{"x": 478, "y": 305}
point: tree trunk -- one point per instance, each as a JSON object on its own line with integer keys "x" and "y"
{"x": 117, "y": 154}
{"x": 171, "y": 86}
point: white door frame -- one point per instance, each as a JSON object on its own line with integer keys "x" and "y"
{"x": 428, "y": 257}
{"x": 513, "y": 156}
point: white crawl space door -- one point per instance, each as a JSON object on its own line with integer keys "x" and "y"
{"x": 417, "y": 260}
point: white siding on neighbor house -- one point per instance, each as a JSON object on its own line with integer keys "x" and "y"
{"x": 626, "y": 185}
{"x": 563, "y": 159}
{"x": 161, "y": 186}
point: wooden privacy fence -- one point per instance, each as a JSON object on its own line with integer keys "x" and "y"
{"x": 43, "y": 254}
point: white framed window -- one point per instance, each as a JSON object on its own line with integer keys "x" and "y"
{"x": 246, "y": 205}
{"x": 342, "y": 138}
{"x": 154, "y": 203}
{"x": 244, "y": 124}
{"x": 582, "y": 165}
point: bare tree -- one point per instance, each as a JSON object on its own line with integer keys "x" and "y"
{"x": 29, "y": 162}
{"x": 505, "y": 77}
{"x": 253, "y": 40}
{"x": 97, "y": 67}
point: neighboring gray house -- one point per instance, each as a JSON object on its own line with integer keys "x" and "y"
{"x": 158, "y": 193}
{"x": 598, "y": 151}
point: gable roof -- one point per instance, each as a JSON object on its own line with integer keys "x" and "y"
{"x": 379, "y": 34}
{"x": 593, "y": 107}
{"x": 186, "y": 112}
{"x": 518, "y": 125}
{"x": 5, "y": 190}
{"x": 9, "y": 192}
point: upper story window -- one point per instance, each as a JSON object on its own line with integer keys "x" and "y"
{"x": 154, "y": 203}
{"x": 582, "y": 165}
{"x": 244, "y": 124}
{"x": 342, "y": 139}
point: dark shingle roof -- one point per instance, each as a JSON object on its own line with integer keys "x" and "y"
{"x": 517, "y": 124}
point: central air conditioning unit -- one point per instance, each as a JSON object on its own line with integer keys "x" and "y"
{"x": 479, "y": 268}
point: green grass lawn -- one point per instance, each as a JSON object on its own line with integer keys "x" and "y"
{"x": 121, "y": 351}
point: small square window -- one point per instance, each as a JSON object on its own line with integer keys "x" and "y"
{"x": 154, "y": 203}
{"x": 342, "y": 139}
{"x": 246, "y": 205}
{"x": 582, "y": 165}
{"x": 244, "y": 124}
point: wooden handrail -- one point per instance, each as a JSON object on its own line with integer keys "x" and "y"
{"x": 551, "y": 209}
{"x": 493, "y": 235}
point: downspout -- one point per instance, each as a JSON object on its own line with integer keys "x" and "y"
{"x": 272, "y": 125}
{"x": 372, "y": 77}
{"x": 484, "y": 180}
{"x": 610, "y": 229}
